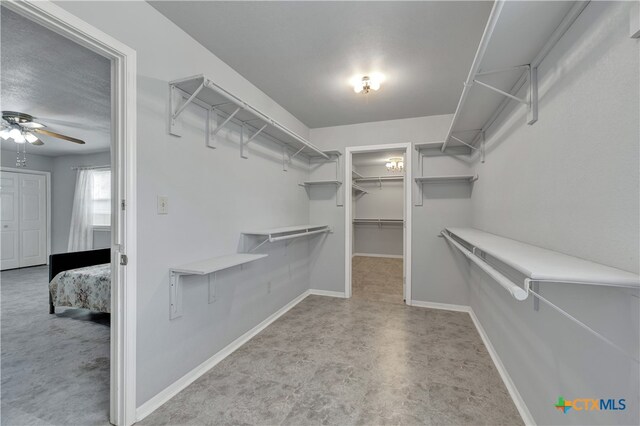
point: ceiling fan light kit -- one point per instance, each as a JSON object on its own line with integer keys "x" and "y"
{"x": 20, "y": 128}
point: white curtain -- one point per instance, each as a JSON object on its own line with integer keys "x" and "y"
{"x": 81, "y": 232}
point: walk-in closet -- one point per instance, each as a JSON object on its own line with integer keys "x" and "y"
{"x": 377, "y": 212}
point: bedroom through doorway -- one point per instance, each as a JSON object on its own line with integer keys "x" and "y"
{"x": 56, "y": 173}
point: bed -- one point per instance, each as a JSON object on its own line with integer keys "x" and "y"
{"x": 80, "y": 280}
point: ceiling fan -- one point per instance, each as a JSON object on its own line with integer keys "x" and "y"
{"x": 21, "y": 128}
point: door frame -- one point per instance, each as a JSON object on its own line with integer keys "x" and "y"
{"x": 123, "y": 166}
{"x": 349, "y": 151}
{"x": 47, "y": 177}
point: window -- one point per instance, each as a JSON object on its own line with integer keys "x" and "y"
{"x": 101, "y": 197}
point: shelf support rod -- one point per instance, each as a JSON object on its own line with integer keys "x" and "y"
{"x": 499, "y": 70}
{"x": 224, "y": 123}
{"x": 502, "y": 92}
{"x": 463, "y": 142}
{"x": 187, "y": 102}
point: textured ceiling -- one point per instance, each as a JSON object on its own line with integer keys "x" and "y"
{"x": 303, "y": 54}
{"x": 64, "y": 85}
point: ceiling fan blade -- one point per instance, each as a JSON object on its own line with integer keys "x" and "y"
{"x": 32, "y": 125}
{"x": 37, "y": 142}
{"x": 59, "y": 136}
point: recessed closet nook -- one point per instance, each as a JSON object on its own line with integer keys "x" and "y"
{"x": 385, "y": 212}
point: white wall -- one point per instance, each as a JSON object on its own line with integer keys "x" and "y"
{"x": 62, "y": 191}
{"x": 570, "y": 183}
{"x": 63, "y": 183}
{"x": 213, "y": 196}
{"x": 383, "y": 201}
{"x": 436, "y": 275}
{"x": 34, "y": 161}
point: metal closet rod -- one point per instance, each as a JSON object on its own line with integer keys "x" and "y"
{"x": 517, "y": 292}
{"x": 521, "y": 294}
{"x": 262, "y": 116}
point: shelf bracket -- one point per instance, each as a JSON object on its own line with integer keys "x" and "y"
{"x": 212, "y": 123}
{"x": 175, "y": 108}
{"x": 463, "y": 142}
{"x": 532, "y": 113}
{"x": 531, "y": 102}
{"x": 175, "y": 295}
{"x": 244, "y": 144}
{"x": 285, "y": 161}
{"x": 212, "y": 287}
{"x": 212, "y": 134}
{"x": 502, "y": 92}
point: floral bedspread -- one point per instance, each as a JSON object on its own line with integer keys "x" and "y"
{"x": 87, "y": 288}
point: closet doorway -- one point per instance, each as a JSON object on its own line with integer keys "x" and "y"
{"x": 378, "y": 223}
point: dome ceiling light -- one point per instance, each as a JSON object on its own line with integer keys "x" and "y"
{"x": 367, "y": 83}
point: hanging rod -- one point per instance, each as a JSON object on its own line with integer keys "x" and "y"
{"x": 521, "y": 294}
{"x": 517, "y": 292}
{"x": 107, "y": 166}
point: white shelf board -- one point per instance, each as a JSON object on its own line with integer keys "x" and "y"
{"x": 466, "y": 178}
{"x": 541, "y": 264}
{"x": 379, "y": 178}
{"x": 519, "y": 37}
{"x": 287, "y": 230}
{"x": 208, "y": 266}
{"x": 434, "y": 147}
{"x": 367, "y": 220}
{"x": 320, "y": 182}
{"x": 226, "y": 103}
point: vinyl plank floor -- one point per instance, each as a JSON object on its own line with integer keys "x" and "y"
{"x": 378, "y": 279}
{"x": 332, "y": 361}
{"x": 54, "y": 368}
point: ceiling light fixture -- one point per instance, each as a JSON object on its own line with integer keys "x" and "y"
{"x": 395, "y": 165}
{"x": 366, "y": 83}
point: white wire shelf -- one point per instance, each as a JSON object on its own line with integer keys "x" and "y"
{"x": 320, "y": 182}
{"x": 378, "y": 221}
{"x": 364, "y": 179}
{"x": 224, "y": 105}
{"x": 517, "y": 37}
{"x": 450, "y": 178}
{"x": 355, "y": 174}
{"x": 287, "y": 233}
{"x": 203, "y": 267}
{"x": 539, "y": 264}
{"x": 434, "y": 148}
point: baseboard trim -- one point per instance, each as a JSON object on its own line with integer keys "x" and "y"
{"x": 443, "y": 306}
{"x": 390, "y": 256}
{"x": 527, "y": 418}
{"x": 172, "y": 390}
{"x": 518, "y": 401}
{"x": 327, "y": 293}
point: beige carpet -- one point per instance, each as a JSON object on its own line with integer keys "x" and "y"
{"x": 377, "y": 279}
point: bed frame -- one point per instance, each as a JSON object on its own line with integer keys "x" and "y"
{"x": 79, "y": 259}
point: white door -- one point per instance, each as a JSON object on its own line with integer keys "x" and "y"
{"x": 9, "y": 220}
{"x": 33, "y": 220}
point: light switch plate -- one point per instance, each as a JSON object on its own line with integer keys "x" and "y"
{"x": 163, "y": 204}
